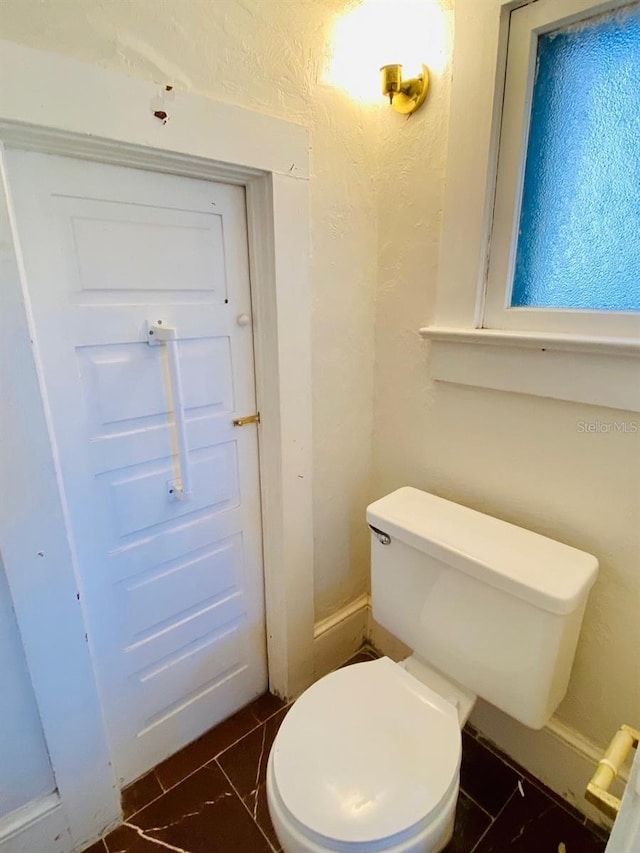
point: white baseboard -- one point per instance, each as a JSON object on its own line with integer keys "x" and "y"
{"x": 557, "y": 755}
{"x": 340, "y": 635}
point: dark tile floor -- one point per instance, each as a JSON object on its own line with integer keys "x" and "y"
{"x": 210, "y": 798}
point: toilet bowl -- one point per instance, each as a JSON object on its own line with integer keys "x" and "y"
{"x": 367, "y": 760}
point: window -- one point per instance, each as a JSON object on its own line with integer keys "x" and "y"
{"x": 539, "y": 271}
{"x": 579, "y": 235}
{"x": 565, "y": 248}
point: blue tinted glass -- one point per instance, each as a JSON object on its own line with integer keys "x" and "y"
{"x": 579, "y": 241}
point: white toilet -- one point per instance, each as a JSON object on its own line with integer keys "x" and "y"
{"x": 368, "y": 758}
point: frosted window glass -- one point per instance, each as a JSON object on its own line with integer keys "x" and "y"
{"x": 579, "y": 238}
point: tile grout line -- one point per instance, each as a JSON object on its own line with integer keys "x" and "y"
{"x": 192, "y": 772}
{"x": 285, "y": 705}
{"x": 208, "y": 761}
{"x": 537, "y": 784}
{"x": 475, "y": 803}
{"x": 540, "y": 786}
{"x": 229, "y": 746}
{"x": 165, "y": 790}
{"x": 246, "y": 807}
{"x": 476, "y": 846}
{"x": 154, "y": 800}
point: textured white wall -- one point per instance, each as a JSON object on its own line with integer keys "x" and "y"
{"x": 270, "y": 55}
{"x": 517, "y": 457}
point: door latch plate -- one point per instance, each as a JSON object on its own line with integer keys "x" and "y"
{"x": 250, "y": 419}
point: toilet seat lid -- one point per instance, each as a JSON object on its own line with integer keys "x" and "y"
{"x": 366, "y": 753}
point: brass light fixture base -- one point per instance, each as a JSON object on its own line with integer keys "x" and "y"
{"x": 405, "y": 96}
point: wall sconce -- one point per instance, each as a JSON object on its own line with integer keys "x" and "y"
{"x": 405, "y": 96}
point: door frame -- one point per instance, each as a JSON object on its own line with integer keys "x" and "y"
{"x": 58, "y": 105}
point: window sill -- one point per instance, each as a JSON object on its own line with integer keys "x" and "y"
{"x": 596, "y": 371}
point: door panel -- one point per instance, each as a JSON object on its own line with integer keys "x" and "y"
{"x": 172, "y": 589}
{"x": 115, "y": 251}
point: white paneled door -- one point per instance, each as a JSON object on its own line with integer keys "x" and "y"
{"x": 172, "y": 584}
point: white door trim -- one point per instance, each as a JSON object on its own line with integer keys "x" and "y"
{"x": 58, "y": 105}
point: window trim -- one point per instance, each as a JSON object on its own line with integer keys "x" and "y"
{"x": 563, "y": 367}
{"x": 526, "y": 25}
{"x": 537, "y": 361}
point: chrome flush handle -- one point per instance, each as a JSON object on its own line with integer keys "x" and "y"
{"x": 382, "y": 537}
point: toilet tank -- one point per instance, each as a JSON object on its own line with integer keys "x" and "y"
{"x": 491, "y": 605}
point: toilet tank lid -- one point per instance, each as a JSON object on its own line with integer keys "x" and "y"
{"x": 546, "y": 573}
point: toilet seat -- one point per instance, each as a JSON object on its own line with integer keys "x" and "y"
{"x": 367, "y": 753}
